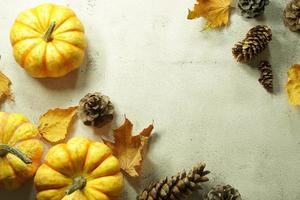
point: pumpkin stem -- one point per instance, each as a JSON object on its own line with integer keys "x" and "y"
{"x": 78, "y": 184}
{"x": 47, "y": 36}
{"x": 5, "y": 149}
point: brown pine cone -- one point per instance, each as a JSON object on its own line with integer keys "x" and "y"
{"x": 257, "y": 40}
{"x": 176, "y": 187}
{"x": 291, "y": 15}
{"x": 252, "y": 8}
{"x": 223, "y": 192}
{"x": 95, "y": 109}
{"x": 266, "y": 77}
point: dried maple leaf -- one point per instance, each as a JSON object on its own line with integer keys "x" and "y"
{"x": 4, "y": 86}
{"x": 54, "y": 124}
{"x": 293, "y": 85}
{"x": 216, "y": 12}
{"x": 130, "y": 149}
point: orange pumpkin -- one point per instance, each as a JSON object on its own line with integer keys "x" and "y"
{"x": 48, "y": 41}
{"x": 20, "y": 150}
{"x": 79, "y": 170}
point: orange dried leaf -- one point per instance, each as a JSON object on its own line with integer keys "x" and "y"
{"x": 216, "y": 12}
{"x": 130, "y": 149}
{"x": 54, "y": 124}
{"x": 4, "y": 86}
{"x": 293, "y": 85}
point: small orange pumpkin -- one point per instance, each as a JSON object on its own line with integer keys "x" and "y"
{"x": 79, "y": 170}
{"x": 48, "y": 41}
{"x": 20, "y": 150}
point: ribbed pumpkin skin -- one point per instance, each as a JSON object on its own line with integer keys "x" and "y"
{"x": 18, "y": 132}
{"x": 41, "y": 58}
{"x": 79, "y": 157}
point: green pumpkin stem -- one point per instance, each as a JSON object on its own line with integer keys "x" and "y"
{"x": 78, "y": 184}
{"x": 47, "y": 36}
{"x": 5, "y": 149}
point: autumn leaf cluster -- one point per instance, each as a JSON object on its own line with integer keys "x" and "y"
{"x": 130, "y": 150}
{"x": 54, "y": 126}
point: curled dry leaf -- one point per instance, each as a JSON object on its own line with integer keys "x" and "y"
{"x": 4, "y": 86}
{"x": 293, "y": 85}
{"x": 130, "y": 149}
{"x": 216, "y": 12}
{"x": 54, "y": 124}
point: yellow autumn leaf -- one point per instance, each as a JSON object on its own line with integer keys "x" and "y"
{"x": 4, "y": 86}
{"x": 54, "y": 124}
{"x": 216, "y": 12}
{"x": 130, "y": 149}
{"x": 293, "y": 85}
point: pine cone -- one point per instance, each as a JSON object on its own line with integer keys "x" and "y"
{"x": 252, "y": 8}
{"x": 266, "y": 77}
{"x": 176, "y": 187}
{"x": 257, "y": 40}
{"x": 95, "y": 109}
{"x": 291, "y": 15}
{"x": 225, "y": 192}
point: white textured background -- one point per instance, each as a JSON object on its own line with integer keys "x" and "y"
{"x": 156, "y": 65}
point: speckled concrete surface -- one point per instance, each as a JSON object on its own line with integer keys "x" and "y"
{"x": 156, "y": 65}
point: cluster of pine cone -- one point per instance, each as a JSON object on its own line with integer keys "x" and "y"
{"x": 184, "y": 183}
{"x": 255, "y": 8}
{"x": 257, "y": 40}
